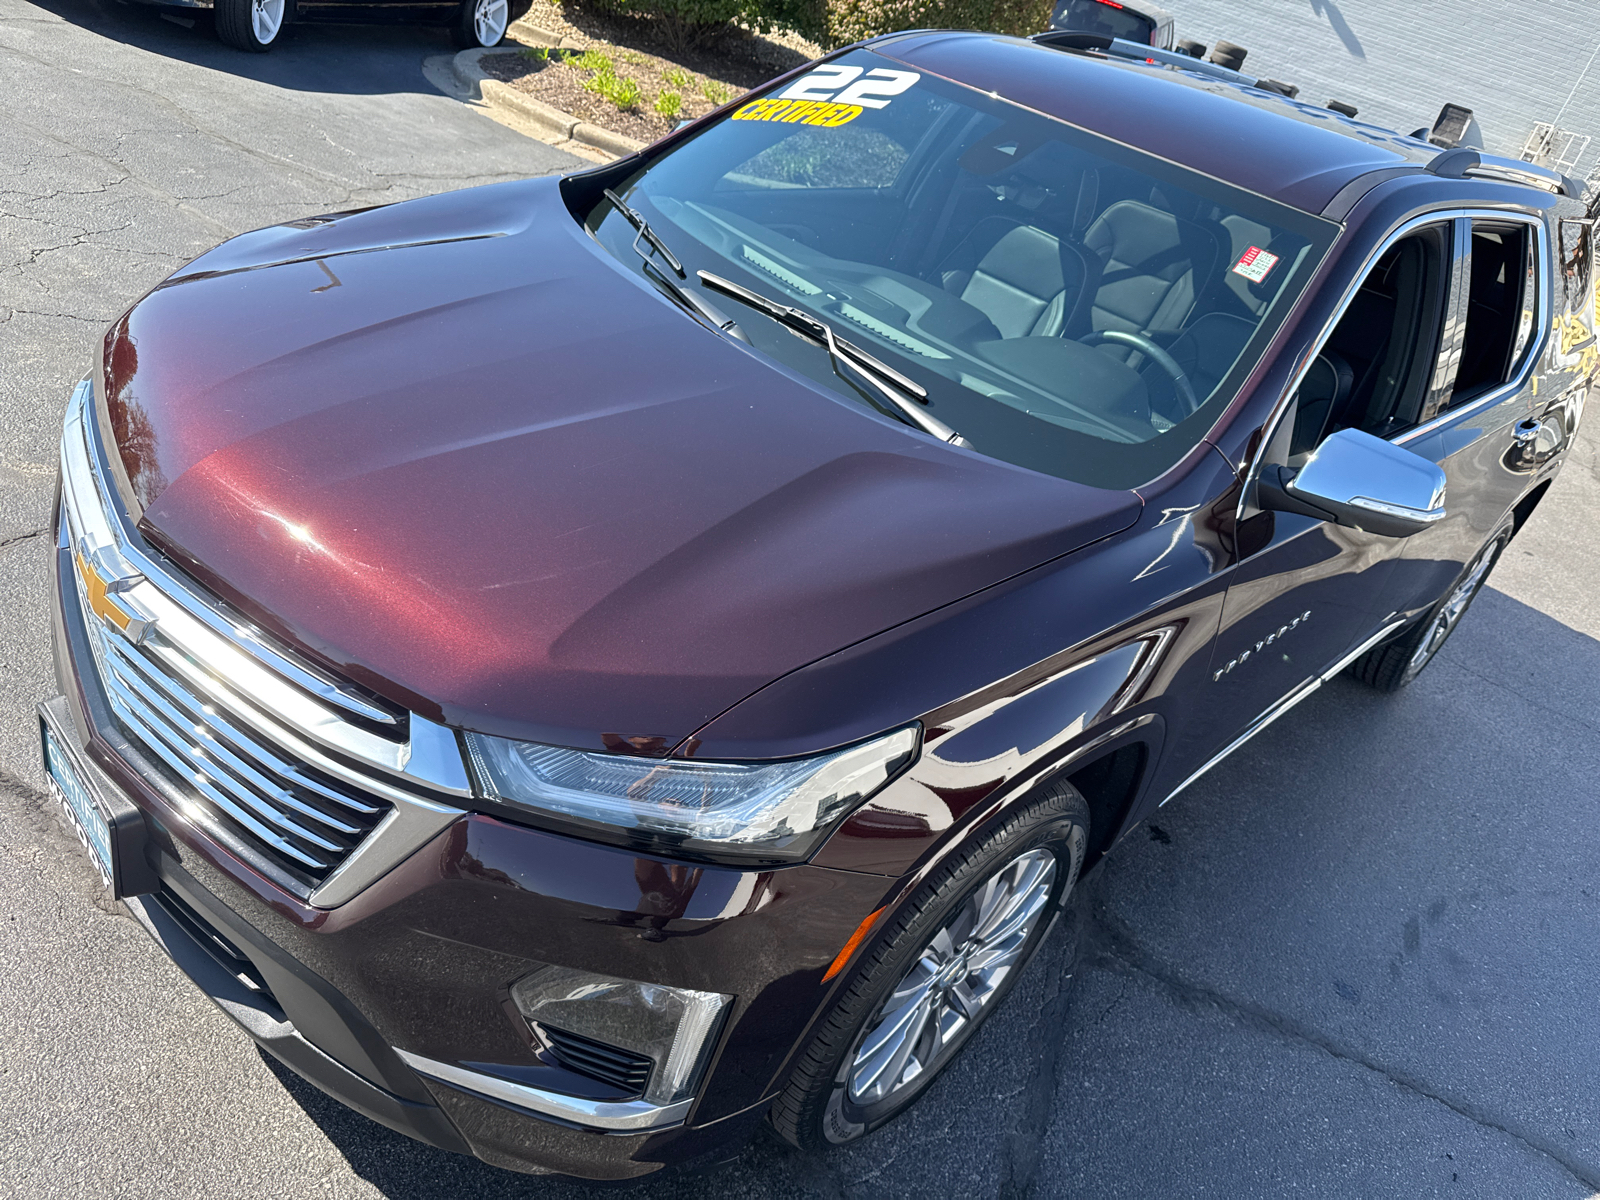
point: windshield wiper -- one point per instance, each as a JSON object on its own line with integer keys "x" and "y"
{"x": 893, "y": 386}
{"x": 698, "y": 305}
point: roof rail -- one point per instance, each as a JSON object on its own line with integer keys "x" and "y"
{"x": 1123, "y": 48}
{"x": 1463, "y": 163}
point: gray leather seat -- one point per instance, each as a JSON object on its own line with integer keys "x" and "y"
{"x": 1028, "y": 282}
{"x": 1154, "y": 268}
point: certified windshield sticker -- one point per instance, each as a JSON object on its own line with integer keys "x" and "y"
{"x": 798, "y": 112}
{"x": 1255, "y": 264}
{"x": 830, "y": 96}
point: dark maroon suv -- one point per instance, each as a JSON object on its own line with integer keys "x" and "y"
{"x": 578, "y": 668}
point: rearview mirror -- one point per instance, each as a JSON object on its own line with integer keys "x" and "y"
{"x": 1361, "y": 481}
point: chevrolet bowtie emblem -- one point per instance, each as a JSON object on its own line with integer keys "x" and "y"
{"x": 101, "y": 588}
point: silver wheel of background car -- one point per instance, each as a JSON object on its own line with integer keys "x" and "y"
{"x": 254, "y": 25}
{"x": 266, "y": 18}
{"x": 957, "y": 975}
{"x": 489, "y": 20}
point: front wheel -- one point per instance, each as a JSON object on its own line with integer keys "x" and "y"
{"x": 943, "y": 965}
{"x": 1396, "y": 663}
{"x": 483, "y": 22}
{"x": 252, "y": 25}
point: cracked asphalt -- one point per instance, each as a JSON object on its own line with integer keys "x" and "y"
{"x": 1360, "y": 959}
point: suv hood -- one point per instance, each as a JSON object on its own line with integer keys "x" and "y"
{"x": 453, "y": 450}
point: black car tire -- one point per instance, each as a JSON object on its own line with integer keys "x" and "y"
{"x": 1397, "y": 662}
{"x": 237, "y": 25}
{"x": 816, "y": 1110}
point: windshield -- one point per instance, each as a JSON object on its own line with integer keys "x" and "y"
{"x": 1066, "y": 303}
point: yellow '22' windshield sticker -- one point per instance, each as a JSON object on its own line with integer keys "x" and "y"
{"x": 829, "y": 96}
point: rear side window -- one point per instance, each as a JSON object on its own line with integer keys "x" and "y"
{"x": 1500, "y": 295}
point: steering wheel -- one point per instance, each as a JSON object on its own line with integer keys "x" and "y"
{"x": 1137, "y": 341}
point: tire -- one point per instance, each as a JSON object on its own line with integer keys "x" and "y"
{"x": 482, "y": 23}
{"x": 828, "y": 1103}
{"x": 253, "y": 25}
{"x": 1226, "y": 54}
{"x": 1394, "y": 664}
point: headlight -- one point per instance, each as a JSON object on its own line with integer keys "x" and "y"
{"x": 756, "y": 811}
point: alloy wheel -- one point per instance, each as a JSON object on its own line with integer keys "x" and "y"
{"x": 488, "y": 21}
{"x": 955, "y": 978}
{"x": 1454, "y": 607}
{"x": 266, "y": 18}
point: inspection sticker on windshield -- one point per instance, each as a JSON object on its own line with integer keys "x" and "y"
{"x": 830, "y": 96}
{"x": 1255, "y": 264}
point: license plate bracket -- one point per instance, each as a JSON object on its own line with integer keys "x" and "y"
{"x": 110, "y": 827}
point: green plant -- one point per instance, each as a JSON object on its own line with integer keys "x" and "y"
{"x": 678, "y": 79}
{"x": 624, "y": 93}
{"x": 669, "y": 104}
{"x": 717, "y": 93}
{"x": 592, "y": 60}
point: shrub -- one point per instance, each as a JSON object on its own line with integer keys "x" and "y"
{"x": 592, "y": 60}
{"x": 669, "y": 104}
{"x": 837, "y": 22}
{"x": 624, "y": 93}
{"x": 684, "y": 24}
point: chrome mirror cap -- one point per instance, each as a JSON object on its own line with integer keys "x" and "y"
{"x": 1361, "y": 481}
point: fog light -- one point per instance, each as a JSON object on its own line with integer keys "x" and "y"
{"x": 674, "y": 1028}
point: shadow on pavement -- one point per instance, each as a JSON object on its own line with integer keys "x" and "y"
{"x": 313, "y": 57}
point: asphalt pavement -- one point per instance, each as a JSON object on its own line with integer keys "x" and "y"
{"x": 1359, "y": 959}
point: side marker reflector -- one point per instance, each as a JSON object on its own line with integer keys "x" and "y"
{"x": 855, "y": 941}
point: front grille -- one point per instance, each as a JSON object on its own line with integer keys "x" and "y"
{"x": 243, "y": 791}
{"x": 622, "y": 1069}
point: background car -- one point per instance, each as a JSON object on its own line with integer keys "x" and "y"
{"x": 257, "y": 25}
{"x": 1133, "y": 22}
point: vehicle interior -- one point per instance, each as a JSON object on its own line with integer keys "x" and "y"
{"x": 1379, "y": 370}
{"x": 1045, "y": 251}
{"x": 1028, "y": 276}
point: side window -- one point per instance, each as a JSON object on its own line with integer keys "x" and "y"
{"x": 1500, "y": 304}
{"x": 824, "y": 158}
{"x": 1377, "y": 368}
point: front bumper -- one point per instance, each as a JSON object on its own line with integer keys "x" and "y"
{"x": 415, "y": 970}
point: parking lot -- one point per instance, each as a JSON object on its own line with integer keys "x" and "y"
{"x": 1358, "y": 959}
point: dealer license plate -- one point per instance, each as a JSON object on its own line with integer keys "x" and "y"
{"x": 74, "y": 797}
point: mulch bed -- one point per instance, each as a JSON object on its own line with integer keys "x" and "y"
{"x": 725, "y": 66}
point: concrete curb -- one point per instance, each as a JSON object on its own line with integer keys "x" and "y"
{"x": 555, "y": 125}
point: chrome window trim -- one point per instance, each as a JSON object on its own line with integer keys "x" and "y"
{"x": 1452, "y": 334}
{"x": 1532, "y": 354}
{"x": 616, "y": 1116}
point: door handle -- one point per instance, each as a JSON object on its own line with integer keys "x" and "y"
{"x": 1527, "y": 431}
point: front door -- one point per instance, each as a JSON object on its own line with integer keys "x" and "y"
{"x": 1480, "y": 433}
{"x": 1308, "y": 592}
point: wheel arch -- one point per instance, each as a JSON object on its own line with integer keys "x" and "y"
{"x": 1523, "y": 509}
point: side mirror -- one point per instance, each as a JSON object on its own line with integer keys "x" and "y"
{"x": 1361, "y": 481}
